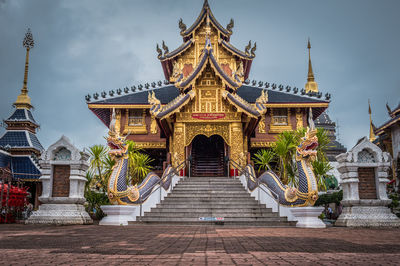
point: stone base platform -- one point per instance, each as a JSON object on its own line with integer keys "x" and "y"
{"x": 308, "y": 217}
{"x": 118, "y": 214}
{"x": 367, "y": 216}
{"x": 60, "y": 214}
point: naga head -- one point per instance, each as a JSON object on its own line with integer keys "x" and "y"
{"x": 309, "y": 143}
{"x": 115, "y": 142}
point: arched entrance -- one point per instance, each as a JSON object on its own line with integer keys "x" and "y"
{"x": 208, "y": 156}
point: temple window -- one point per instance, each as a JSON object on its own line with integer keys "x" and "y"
{"x": 135, "y": 117}
{"x": 135, "y": 121}
{"x": 280, "y": 120}
{"x": 280, "y": 117}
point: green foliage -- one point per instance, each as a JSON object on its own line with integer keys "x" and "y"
{"x": 94, "y": 200}
{"x": 263, "y": 159}
{"x": 285, "y": 149}
{"x": 325, "y": 199}
{"x": 139, "y": 164}
{"x": 98, "y": 154}
{"x": 395, "y": 200}
{"x": 320, "y": 170}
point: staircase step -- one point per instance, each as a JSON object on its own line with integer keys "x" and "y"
{"x": 211, "y": 196}
{"x": 211, "y": 214}
{"x": 212, "y": 210}
{"x": 227, "y": 219}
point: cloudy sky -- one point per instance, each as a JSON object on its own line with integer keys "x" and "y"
{"x": 89, "y": 46}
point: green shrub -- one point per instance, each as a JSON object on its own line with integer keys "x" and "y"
{"x": 325, "y": 199}
{"x": 94, "y": 201}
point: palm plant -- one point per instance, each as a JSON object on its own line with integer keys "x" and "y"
{"x": 321, "y": 167}
{"x": 108, "y": 164}
{"x": 139, "y": 164}
{"x": 285, "y": 148}
{"x": 263, "y": 158}
{"x": 97, "y": 155}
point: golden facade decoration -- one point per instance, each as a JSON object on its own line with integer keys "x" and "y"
{"x": 262, "y": 144}
{"x": 299, "y": 119}
{"x": 150, "y": 145}
{"x": 261, "y": 125}
{"x": 206, "y": 129}
{"x": 237, "y": 139}
{"x": 135, "y": 121}
{"x": 280, "y": 120}
{"x": 153, "y": 126}
{"x": 178, "y": 147}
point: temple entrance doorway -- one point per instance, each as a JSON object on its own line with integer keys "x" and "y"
{"x": 208, "y": 156}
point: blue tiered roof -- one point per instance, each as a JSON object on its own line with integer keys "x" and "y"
{"x": 22, "y": 167}
{"x": 20, "y": 139}
{"x": 22, "y": 115}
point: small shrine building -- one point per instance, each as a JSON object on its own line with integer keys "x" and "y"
{"x": 207, "y": 109}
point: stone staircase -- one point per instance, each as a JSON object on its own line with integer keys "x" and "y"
{"x": 197, "y": 197}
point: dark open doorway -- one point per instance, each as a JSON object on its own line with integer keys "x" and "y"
{"x": 208, "y": 156}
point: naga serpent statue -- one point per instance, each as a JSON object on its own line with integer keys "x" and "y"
{"x": 118, "y": 191}
{"x": 307, "y": 192}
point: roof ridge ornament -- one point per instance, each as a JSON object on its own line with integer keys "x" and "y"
{"x": 23, "y": 100}
{"x": 166, "y": 50}
{"x": 182, "y": 26}
{"x": 230, "y": 25}
{"x": 159, "y": 51}
{"x": 253, "y": 49}
{"x": 247, "y": 48}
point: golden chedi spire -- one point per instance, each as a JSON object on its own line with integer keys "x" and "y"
{"x": 311, "y": 85}
{"x": 23, "y": 100}
{"x": 372, "y": 136}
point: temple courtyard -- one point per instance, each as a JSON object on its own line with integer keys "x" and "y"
{"x": 196, "y": 245}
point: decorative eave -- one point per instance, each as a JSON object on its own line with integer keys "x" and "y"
{"x": 178, "y": 51}
{"x": 242, "y": 105}
{"x": 172, "y": 107}
{"x": 232, "y": 83}
{"x": 186, "y": 82}
{"x": 206, "y": 11}
{"x": 388, "y": 124}
{"x": 236, "y": 51}
{"x": 208, "y": 56}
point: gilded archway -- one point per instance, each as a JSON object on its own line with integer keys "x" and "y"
{"x": 207, "y": 129}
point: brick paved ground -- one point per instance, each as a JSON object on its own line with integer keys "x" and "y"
{"x": 144, "y": 245}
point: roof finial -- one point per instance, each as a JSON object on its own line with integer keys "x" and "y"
{"x": 311, "y": 85}
{"x": 372, "y": 136}
{"x": 23, "y": 100}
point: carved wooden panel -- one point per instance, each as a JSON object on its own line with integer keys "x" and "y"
{"x": 366, "y": 185}
{"x": 61, "y": 175}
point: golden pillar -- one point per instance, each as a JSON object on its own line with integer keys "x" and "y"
{"x": 178, "y": 144}
{"x": 237, "y": 148}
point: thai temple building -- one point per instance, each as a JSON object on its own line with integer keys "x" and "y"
{"x": 207, "y": 109}
{"x": 19, "y": 146}
{"x": 387, "y": 137}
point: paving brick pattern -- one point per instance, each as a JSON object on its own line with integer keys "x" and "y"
{"x": 196, "y": 245}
